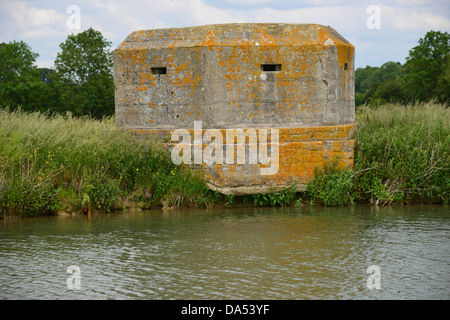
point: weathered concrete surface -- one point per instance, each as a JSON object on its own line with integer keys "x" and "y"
{"x": 216, "y": 74}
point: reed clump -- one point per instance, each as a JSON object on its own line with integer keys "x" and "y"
{"x": 401, "y": 154}
{"x": 63, "y": 163}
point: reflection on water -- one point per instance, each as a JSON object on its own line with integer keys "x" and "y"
{"x": 235, "y": 253}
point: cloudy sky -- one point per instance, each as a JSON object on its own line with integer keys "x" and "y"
{"x": 380, "y": 30}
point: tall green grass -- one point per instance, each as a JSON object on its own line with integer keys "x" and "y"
{"x": 61, "y": 163}
{"x": 401, "y": 154}
{"x": 54, "y": 163}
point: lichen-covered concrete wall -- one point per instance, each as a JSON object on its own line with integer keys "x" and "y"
{"x": 298, "y": 78}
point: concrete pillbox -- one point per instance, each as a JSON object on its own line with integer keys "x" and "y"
{"x": 295, "y": 78}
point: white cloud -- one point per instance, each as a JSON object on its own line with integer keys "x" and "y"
{"x": 203, "y": 14}
{"x": 411, "y": 3}
{"x": 408, "y": 19}
{"x": 336, "y": 17}
{"x": 432, "y": 21}
{"x": 324, "y": 2}
{"x": 43, "y": 32}
{"x": 24, "y": 15}
{"x": 247, "y": 2}
{"x": 45, "y": 63}
{"x": 25, "y": 20}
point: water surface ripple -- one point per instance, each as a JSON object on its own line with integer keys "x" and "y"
{"x": 235, "y": 253}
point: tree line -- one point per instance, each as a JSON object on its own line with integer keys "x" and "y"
{"x": 82, "y": 82}
{"x": 423, "y": 77}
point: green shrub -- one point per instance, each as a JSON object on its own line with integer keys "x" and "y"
{"x": 30, "y": 192}
{"x": 331, "y": 185}
{"x": 279, "y": 198}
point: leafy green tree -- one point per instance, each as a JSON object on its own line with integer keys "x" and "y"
{"x": 361, "y": 78}
{"x": 427, "y": 68}
{"x": 84, "y": 72}
{"x": 379, "y": 84}
{"x": 46, "y": 75}
{"x": 19, "y": 77}
{"x": 390, "y": 90}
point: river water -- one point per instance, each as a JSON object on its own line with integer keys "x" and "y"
{"x": 230, "y": 253}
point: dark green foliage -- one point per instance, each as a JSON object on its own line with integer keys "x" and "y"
{"x": 279, "y": 198}
{"x": 331, "y": 185}
{"x": 379, "y": 85}
{"x": 82, "y": 82}
{"x": 427, "y": 68}
{"x": 424, "y": 76}
{"x": 84, "y": 74}
{"x": 83, "y": 56}
{"x": 19, "y": 77}
{"x": 99, "y": 193}
{"x": 28, "y": 189}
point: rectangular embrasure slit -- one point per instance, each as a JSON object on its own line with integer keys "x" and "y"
{"x": 271, "y": 67}
{"x": 159, "y": 70}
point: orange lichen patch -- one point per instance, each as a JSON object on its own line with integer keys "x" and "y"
{"x": 266, "y": 39}
{"x": 146, "y": 77}
{"x": 345, "y": 56}
{"x": 142, "y": 88}
{"x": 317, "y": 133}
{"x": 210, "y": 39}
{"x": 297, "y": 164}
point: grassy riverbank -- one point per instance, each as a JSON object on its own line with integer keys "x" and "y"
{"x": 61, "y": 163}
{"x": 402, "y": 154}
{"x": 57, "y": 163}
